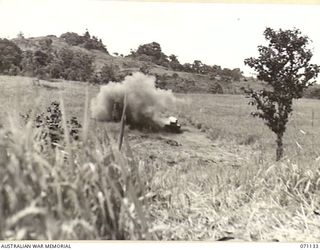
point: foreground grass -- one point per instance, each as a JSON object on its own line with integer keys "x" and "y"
{"x": 90, "y": 190}
{"x": 75, "y": 190}
{"x": 265, "y": 202}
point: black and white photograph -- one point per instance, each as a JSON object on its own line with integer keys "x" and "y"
{"x": 159, "y": 121}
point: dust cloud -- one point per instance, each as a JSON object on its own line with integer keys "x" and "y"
{"x": 144, "y": 102}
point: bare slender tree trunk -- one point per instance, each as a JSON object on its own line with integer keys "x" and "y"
{"x": 279, "y": 151}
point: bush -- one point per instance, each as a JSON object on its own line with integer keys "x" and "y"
{"x": 85, "y": 41}
{"x": 72, "y": 38}
{"x": 66, "y": 63}
{"x": 37, "y": 63}
{"x": 216, "y": 88}
{"x": 70, "y": 65}
{"x": 14, "y": 70}
{"x": 151, "y": 52}
{"x": 150, "y": 49}
{"x": 109, "y": 73}
{"x": 10, "y": 55}
{"x": 45, "y": 44}
{"x": 27, "y": 64}
{"x": 96, "y": 44}
{"x": 41, "y": 58}
{"x": 50, "y": 123}
{"x": 56, "y": 69}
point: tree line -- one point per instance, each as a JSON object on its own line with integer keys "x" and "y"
{"x": 48, "y": 62}
{"x": 152, "y": 52}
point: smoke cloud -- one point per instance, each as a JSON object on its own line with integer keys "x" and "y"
{"x": 144, "y": 101}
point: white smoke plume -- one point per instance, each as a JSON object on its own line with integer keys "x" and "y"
{"x": 144, "y": 101}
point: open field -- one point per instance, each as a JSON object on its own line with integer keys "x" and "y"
{"x": 216, "y": 180}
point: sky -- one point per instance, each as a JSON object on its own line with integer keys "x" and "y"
{"x": 216, "y": 34}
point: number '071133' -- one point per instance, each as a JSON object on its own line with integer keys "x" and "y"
{"x": 309, "y": 245}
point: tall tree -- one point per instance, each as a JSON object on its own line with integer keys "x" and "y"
{"x": 284, "y": 64}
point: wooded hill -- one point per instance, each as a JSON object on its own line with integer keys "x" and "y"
{"x": 85, "y": 58}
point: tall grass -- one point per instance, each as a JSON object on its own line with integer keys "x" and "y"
{"x": 78, "y": 190}
{"x": 252, "y": 201}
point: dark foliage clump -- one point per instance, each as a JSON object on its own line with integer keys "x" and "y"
{"x": 108, "y": 73}
{"x": 65, "y": 63}
{"x": 72, "y": 65}
{"x": 151, "y": 52}
{"x": 87, "y": 41}
{"x": 74, "y": 127}
{"x": 50, "y": 122}
{"x": 10, "y": 57}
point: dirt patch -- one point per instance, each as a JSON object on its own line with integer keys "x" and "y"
{"x": 190, "y": 145}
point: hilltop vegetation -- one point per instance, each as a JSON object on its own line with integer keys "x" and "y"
{"x": 85, "y": 58}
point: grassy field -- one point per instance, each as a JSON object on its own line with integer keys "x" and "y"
{"x": 216, "y": 180}
{"x": 227, "y": 117}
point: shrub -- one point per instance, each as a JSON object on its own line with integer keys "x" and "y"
{"x": 71, "y": 65}
{"x": 72, "y": 38}
{"x": 109, "y": 73}
{"x": 50, "y": 123}
{"x": 46, "y": 44}
{"x": 151, "y": 52}
{"x": 27, "y": 65}
{"x": 37, "y": 63}
{"x": 96, "y": 44}
{"x": 85, "y": 41}
{"x": 10, "y": 54}
{"x": 215, "y": 88}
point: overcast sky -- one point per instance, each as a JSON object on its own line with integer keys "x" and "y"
{"x": 222, "y": 34}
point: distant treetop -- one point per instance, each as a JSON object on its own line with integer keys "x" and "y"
{"x": 152, "y": 52}
{"x": 85, "y": 41}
